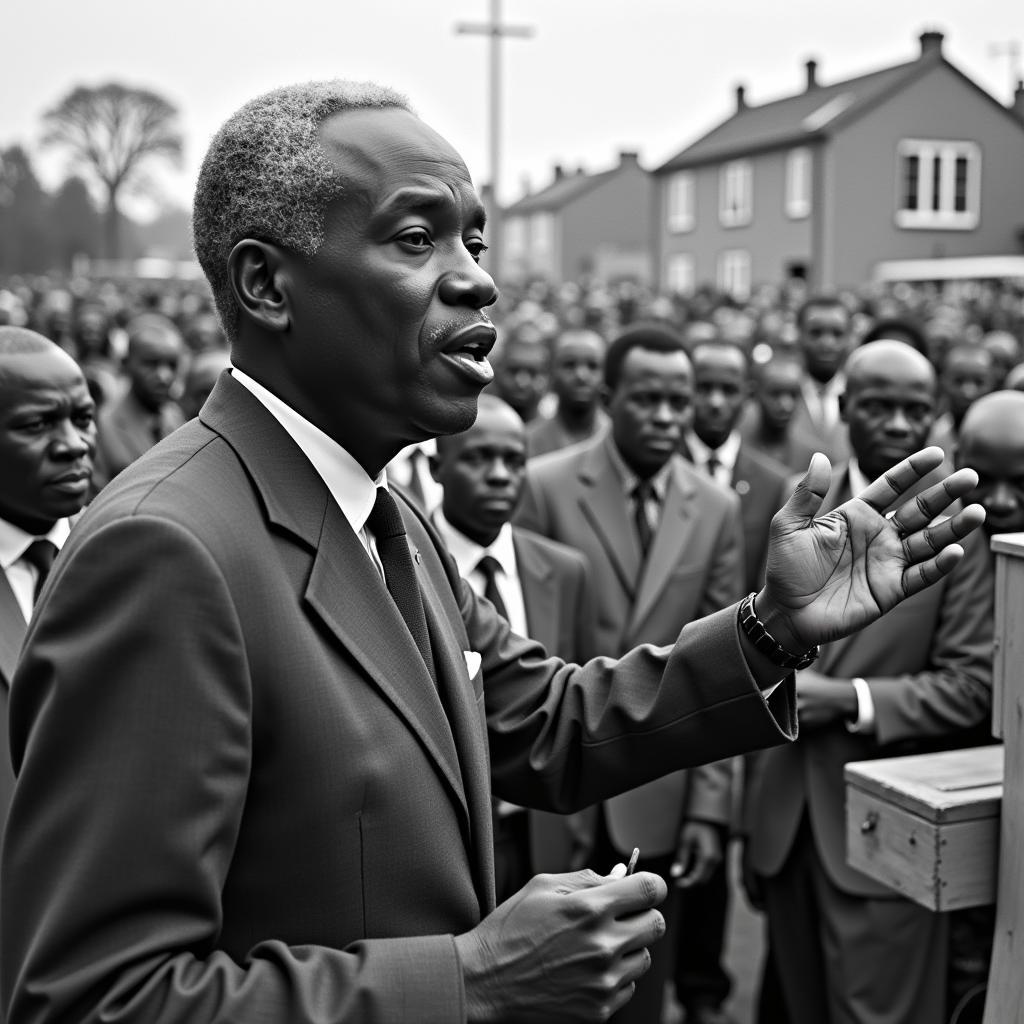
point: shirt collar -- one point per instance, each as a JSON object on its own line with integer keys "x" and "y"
{"x": 14, "y": 541}
{"x": 467, "y": 553}
{"x": 833, "y": 388}
{"x": 726, "y": 453}
{"x": 348, "y": 482}
{"x": 629, "y": 479}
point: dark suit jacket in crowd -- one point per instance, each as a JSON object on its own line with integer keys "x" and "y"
{"x": 694, "y": 567}
{"x": 125, "y": 430}
{"x": 241, "y": 796}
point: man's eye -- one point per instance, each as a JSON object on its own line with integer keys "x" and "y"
{"x": 476, "y": 248}
{"x": 416, "y": 238}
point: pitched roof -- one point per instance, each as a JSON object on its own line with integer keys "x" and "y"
{"x": 794, "y": 119}
{"x": 562, "y": 191}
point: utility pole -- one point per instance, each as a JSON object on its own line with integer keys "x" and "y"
{"x": 496, "y": 31}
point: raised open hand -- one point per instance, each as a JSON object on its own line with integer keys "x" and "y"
{"x": 830, "y": 576}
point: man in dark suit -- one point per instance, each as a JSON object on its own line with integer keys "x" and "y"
{"x": 713, "y": 444}
{"x": 130, "y": 425}
{"x": 688, "y": 564}
{"x": 577, "y": 373}
{"x": 254, "y": 754}
{"x": 846, "y": 947}
{"x": 540, "y": 587}
{"x": 47, "y": 439}
{"x": 767, "y": 421}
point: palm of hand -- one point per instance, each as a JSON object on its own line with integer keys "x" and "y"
{"x": 837, "y": 573}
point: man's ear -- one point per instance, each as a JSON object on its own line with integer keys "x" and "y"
{"x": 256, "y": 272}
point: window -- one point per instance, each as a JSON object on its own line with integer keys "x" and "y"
{"x": 939, "y": 184}
{"x": 798, "y": 183}
{"x": 735, "y": 193}
{"x": 734, "y": 272}
{"x": 680, "y": 274}
{"x": 680, "y": 202}
{"x": 542, "y": 233}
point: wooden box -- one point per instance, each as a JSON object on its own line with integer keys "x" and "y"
{"x": 928, "y": 824}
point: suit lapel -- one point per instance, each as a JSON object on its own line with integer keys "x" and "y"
{"x": 606, "y": 510}
{"x": 344, "y": 589}
{"x": 539, "y": 594}
{"x": 675, "y": 526}
{"x": 12, "y": 630}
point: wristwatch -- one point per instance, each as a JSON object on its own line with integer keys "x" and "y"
{"x": 759, "y": 636}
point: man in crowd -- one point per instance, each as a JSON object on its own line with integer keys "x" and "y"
{"x": 847, "y": 947}
{"x": 577, "y": 365}
{"x": 204, "y": 367}
{"x": 253, "y": 750}
{"x": 824, "y": 325}
{"x": 540, "y": 587}
{"x": 665, "y": 546}
{"x": 146, "y": 413}
{"x": 968, "y": 372}
{"x": 767, "y": 424}
{"x": 47, "y": 440}
{"x": 521, "y": 374}
{"x": 713, "y": 445}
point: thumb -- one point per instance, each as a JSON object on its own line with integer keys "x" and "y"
{"x": 805, "y": 501}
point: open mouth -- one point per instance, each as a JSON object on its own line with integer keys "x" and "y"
{"x": 469, "y": 347}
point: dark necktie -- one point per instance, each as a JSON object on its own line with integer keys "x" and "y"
{"x": 642, "y": 494}
{"x": 489, "y": 566}
{"x": 41, "y": 554}
{"x": 385, "y": 522}
{"x": 712, "y": 466}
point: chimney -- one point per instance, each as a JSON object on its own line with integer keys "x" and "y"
{"x": 1017, "y": 106}
{"x": 741, "y": 98}
{"x": 559, "y": 172}
{"x": 628, "y": 157}
{"x": 812, "y": 74}
{"x": 931, "y": 42}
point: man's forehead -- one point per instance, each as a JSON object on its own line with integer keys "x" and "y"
{"x": 38, "y": 371}
{"x": 384, "y": 150}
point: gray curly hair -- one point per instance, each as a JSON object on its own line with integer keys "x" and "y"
{"x": 266, "y": 176}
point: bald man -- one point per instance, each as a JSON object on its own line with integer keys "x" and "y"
{"x": 47, "y": 441}
{"x": 847, "y": 948}
{"x": 992, "y": 444}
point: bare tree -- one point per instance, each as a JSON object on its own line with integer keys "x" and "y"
{"x": 113, "y": 131}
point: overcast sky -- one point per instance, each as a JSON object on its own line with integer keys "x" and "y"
{"x": 597, "y": 75}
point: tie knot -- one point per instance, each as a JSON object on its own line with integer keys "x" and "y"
{"x": 489, "y": 566}
{"x": 643, "y": 490}
{"x": 385, "y": 520}
{"x": 41, "y": 553}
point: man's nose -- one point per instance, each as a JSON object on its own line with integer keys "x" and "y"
{"x": 1001, "y": 499}
{"x": 498, "y": 471}
{"x": 470, "y": 285}
{"x": 69, "y": 442}
{"x": 898, "y": 422}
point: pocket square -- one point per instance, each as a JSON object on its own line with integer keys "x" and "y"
{"x": 472, "y": 662}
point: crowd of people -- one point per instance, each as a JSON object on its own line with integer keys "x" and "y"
{"x": 248, "y": 787}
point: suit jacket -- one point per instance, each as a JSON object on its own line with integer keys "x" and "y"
{"x": 554, "y": 579}
{"x": 240, "y": 794}
{"x": 694, "y": 567}
{"x": 805, "y": 431}
{"x": 12, "y": 633}
{"x": 761, "y": 485}
{"x": 124, "y": 431}
{"x": 928, "y": 664}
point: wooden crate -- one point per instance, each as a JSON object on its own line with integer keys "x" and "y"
{"x": 927, "y": 825}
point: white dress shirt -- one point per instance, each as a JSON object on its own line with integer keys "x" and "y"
{"x": 348, "y": 483}
{"x": 823, "y": 399}
{"x": 467, "y": 554}
{"x": 726, "y": 453}
{"x": 22, "y": 575}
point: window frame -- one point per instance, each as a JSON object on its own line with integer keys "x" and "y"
{"x": 736, "y": 193}
{"x": 937, "y": 161}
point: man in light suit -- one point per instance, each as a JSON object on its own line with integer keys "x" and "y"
{"x": 47, "y": 440}
{"x": 848, "y": 948}
{"x": 254, "y": 754}
{"x": 539, "y": 586}
{"x": 689, "y": 564}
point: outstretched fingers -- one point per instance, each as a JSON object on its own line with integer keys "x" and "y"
{"x": 920, "y": 510}
{"x": 933, "y": 551}
{"x": 892, "y": 486}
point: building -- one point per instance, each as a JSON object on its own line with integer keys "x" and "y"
{"x": 910, "y": 163}
{"x": 582, "y": 224}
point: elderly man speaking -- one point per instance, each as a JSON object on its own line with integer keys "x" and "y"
{"x": 254, "y": 748}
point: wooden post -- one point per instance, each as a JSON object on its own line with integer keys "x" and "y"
{"x": 1005, "y": 1000}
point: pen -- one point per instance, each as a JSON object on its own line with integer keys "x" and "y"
{"x": 632, "y": 860}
